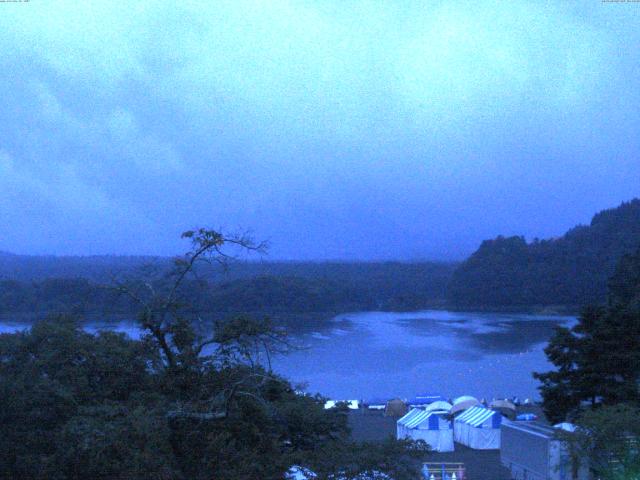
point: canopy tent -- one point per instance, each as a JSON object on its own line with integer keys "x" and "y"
{"x": 439, "y": 406}
{"x": 431, "y": 427}
{"x": 462, "y": 403}
{"x": 395, "y": 408}
{"x": 478, "y": 428}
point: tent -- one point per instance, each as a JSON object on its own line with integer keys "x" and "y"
{"x": 431, "y": 427}
{"x": 478, "y": 428}
{"x": 439, "y": 406}
{"x": 462, "y": 403}
{"x": 395, "y": 408}
{"x": 505, "y": 407}
{"x": 351, "y": 404}
{"x": 464, "y": 398}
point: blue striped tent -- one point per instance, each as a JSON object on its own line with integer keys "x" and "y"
{"x": 478, "y": 428}
{"x": 432, "y": 427}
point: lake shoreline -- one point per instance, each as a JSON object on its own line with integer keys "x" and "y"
{"x": 377, "y": 354}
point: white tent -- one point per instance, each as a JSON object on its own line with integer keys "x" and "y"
{"x": 478, "y": 428}
{"x": 463, "y": 398}
{"x": 462, "y": 403}
{"x": 431, "y": 427}
{"x": 439, "y": 406}
{"x": 351, "y": 404}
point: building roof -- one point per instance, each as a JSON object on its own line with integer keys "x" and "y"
{"x": 533, "y": 428}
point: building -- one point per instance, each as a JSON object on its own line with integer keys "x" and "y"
{"x": 532, "y": 451}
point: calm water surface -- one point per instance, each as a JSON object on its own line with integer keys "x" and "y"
{"x": 382, "y": 354}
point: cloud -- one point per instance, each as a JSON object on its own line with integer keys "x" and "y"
{"x": 444, "y": 121}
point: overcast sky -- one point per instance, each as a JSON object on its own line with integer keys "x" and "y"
{"x": 343, "y": 130}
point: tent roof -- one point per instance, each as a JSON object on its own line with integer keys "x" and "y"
{"x": 439, "y": 405}
{"x": 476, "y": 416}
{"x": 534, "y": 428}
{"x": 352, "y": 404}
{"x": 502, "y": 404}
{"x": 464, "y": 398}
{"x": 463, "y": 405}
{"x": 415, "y": 418}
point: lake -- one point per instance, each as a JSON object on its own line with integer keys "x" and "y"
{"x": 384, "y": 354}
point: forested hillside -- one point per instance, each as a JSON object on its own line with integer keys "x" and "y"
{"x": 84, "y": 286}
{"x": 571, "y": 270}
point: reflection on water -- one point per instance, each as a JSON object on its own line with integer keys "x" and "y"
{"x": 378, "y": 354}
{"x": 383, "y": 354}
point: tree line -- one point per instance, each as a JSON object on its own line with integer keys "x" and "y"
{"x": 299, "y": 288}
{"x": 508, "y": 272}
{"x": 596, "y": 380}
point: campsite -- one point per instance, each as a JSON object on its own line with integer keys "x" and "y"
{"x": 479, "y": 458}
{"x": 320, "y": 240}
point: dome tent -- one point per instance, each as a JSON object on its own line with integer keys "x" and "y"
{"x": 463, "y": 398}
{"x": 462, "y": 403}
{"x": 395, "y": 408}
{"x": 431, "y": 427}
{"x": 505, "y": 407}
{"x": 439, "y": 406}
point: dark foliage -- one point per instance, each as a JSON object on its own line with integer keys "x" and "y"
{"x": 287, "y": 289}
{"x": 598, "y": 360}
{"x": 608, "y": 437}
{"x": 571, "y": 270}
{"x": 78, "y": 406}
{"x": 174, "y": 405}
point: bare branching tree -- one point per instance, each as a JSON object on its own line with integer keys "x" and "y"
{"x": 160, "y": 298}
{"x": 240, "y": 349}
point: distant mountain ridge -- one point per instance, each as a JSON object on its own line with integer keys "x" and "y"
{"x": 42, "y": 285}
{"x": 572, "y": 270}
